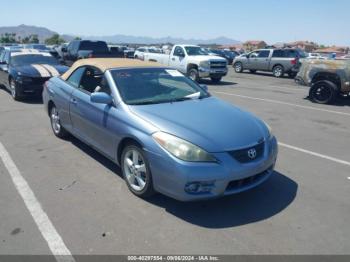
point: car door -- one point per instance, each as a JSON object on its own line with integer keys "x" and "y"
{"x": 261, "y": 62}
{"x": 178, "y": 59}
{"x": 62, "y": 96}
{"x": 251, "y": 60}
{"x": 89, "y": 119}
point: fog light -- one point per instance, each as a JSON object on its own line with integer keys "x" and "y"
{"x": 199, "y": 187}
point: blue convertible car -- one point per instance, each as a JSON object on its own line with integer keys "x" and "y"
{"x": 167, "y": 133}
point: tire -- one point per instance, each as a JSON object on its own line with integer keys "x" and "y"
{"x": 56, "y": 126}
{"x": 14, "y": 90}
{"x": 252, "y": 71}
{"x": 136, "y": 171}
{"x": 216, "y": 80}
{"x": 278, "y": 71}
{"x": 193, "y": 74}
{"x": 238, "y": 67}
{"x": 323, "y": 92}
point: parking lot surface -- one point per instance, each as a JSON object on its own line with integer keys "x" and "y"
{"x": 303, "y": 209}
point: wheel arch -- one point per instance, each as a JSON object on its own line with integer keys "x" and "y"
{"x": 332, "y": 77}
{"x": 123, "y": 143}
{"x": 191, "y": 66}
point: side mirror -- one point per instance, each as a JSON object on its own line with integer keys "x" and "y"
{"x": 204, "y": 87}
{"x": 64, "y": 49}
{"x": 101, "y": 98}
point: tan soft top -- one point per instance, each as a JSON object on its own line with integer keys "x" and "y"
{"x": 104, "y": 64}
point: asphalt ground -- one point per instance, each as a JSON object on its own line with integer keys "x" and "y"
{"x": 61, "y": 196}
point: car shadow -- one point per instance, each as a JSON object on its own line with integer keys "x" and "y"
{"x": 34, "y": 100}
{"x": 221, "y": 83}
{"x": 339, "y": 101}
{"x": 251, "y": 206}
{"x": 258, "y": 204}
{"x": 261, "y": 73}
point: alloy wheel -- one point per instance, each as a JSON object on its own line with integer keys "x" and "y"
{"x": 135, "y": 170}
{"x": 55, "y": 120}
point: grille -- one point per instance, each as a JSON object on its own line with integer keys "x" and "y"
{"x": 242, "y": 155}
{"x": 217, "y": 65}
{"x": 246, "y": 182}
{"x": 39, "y": 80}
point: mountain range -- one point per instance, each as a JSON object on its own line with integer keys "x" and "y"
{"x": 44, "y": 33}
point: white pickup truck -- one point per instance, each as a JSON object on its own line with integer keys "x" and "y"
{"x": 193, "y": 61}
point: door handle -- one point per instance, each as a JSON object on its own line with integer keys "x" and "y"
{"x": 173, "y": 59}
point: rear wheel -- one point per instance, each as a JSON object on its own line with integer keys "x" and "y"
{"x": 323, "y": 92}
{"x": 14, "y": 90}
{"x": 136, "y": 171}
{"x": 278, "y": 71}
{"x": 216, "y": 79}
{"x": 193, "y": 74}
{"x": 56, "y": 126}
{"x": 238, "y": 67}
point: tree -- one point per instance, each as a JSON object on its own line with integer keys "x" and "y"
{"x": 54, "y": 40}
{"x": 31, "y": 39}
{"x": 8, "y": 38}
{"x": 77, "y": 38}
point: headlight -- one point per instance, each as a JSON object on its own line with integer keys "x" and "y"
{"x": 204, "y": 64}
{"x": 269, "y": 130}
{"x": 182, "y": 149}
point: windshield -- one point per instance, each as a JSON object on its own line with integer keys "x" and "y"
{"x": 195, "y": 50}
{"x": 20, "y": 60}
{"x": 155, "y": 85}
{"x": 97, "y": 47}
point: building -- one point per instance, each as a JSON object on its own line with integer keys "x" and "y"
{"x": 338, "y": 50}
{"x": 304, "y": 45}
{"x": 254, "y": 44}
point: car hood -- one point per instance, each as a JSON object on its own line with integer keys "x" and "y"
{"x": 210, "y": 123}
{"x": 39, "y": 70}
{"x": 199, "y": 58}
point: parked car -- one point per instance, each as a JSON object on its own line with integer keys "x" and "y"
{"x": 121, "y": 51}
{"x": 314, "y": 56}
{"x": 39, "y": 47}
{"x": 193, "y": 61}
{"x": 326, "y": 79}
{"x": 228, "y": 55}
{"x": 141, "y": 51}
{"x": 23, "y": 72}
{"x": 277, "y": 61}
{"x": 133, "y": 113}
{"x": 80, "y": 49}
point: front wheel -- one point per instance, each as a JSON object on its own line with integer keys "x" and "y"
{"x": 14, "y": 90}
{"x": 136, "y": 171}
{"x": 56, "y": 126}
{"x": 216, "y": 79}
{"x": 323, "y": 92}
{"x": 238, "y": 67}
{"x": 193, "y": 74}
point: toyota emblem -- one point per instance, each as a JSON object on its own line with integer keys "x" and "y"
{"x": 252, "y": 153}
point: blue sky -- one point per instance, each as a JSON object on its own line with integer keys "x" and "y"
{"x": 324, "y": 21}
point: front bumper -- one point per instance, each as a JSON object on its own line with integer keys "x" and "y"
{"x": 209, "y": 72}
{"x": 29, "y": 88}
{"x": 228, "y": 176}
